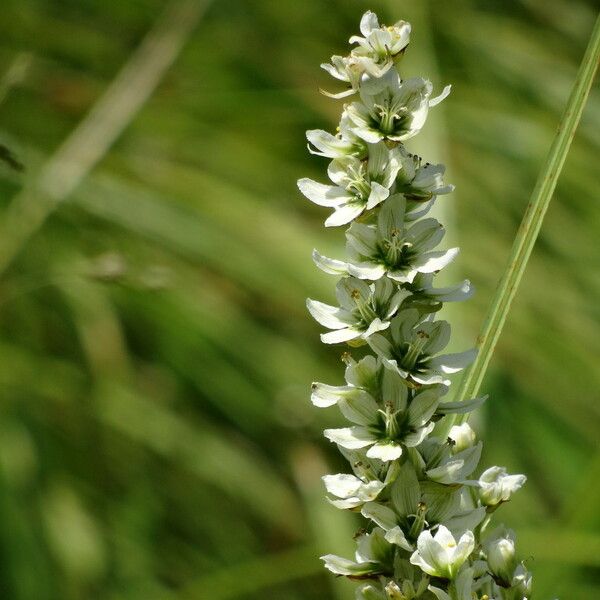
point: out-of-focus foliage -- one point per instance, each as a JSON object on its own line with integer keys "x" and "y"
{"x": 156, "y": 438}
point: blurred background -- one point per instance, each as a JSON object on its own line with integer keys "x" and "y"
{"x": 156, "y": 436}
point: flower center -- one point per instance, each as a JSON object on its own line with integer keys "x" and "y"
{"x": 414, "y": 351}
{"x": 365, "y": 310}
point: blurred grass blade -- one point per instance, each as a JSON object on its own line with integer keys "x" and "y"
{"x": 532, "y": 221}
{"x": 254, "y": 576}
{"x": 105, "y": 122}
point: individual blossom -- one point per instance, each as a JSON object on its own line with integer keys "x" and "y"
{"x": 369, "y": 478}
{"x": 447, "y": 467}
{"x": 397, "y": 112}
{"x": 496, "y": 485}
{"x": 391, "y": 247}
{"x": 359, "y": 185}
{"x": 386, "y": 429}
{"x": 380, "y": 46}
{"x": 413, "y": 347}
{"x": 344, "y": 143}
{"x": 374, "y": 556}
{"x": 350, "y": 491}
{"x": 364, "y": 309}
{"x": 441, "y": 555}
{"x": 501, "y": 557}
{"x": 414, "y": 505}
{"x": 374, "y": 55}
{"x": 419, "y": 182}
{"x": 521, "y": 583}
{"x": 462, "y": 436}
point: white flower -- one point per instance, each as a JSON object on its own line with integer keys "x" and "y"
{"x": 440, "y": 555}
{"x": 384, "y": 431}
{"x": 522, "y": 582}
{"x": 413, "y": 347}
{"x": 397, "y": 112}
{"x": 344, "y": 143}
{"x": 501, "y": 557}
{"x": 351, "y": 491}
{"x": 374, "y": 55}
{"x": 391, "y": 248}
{"x": 380, "y": 45}
{"x": 455, "y": 468}
{"x": 364, "y": 309}
{"x": 497, "y": 486}
{"x": 419, "y": 182}
{"x": 374, "y": 556}
{"x": 462, "y": 436}
{"x": 415, "y": 504}
{"x": 359, "y": 185}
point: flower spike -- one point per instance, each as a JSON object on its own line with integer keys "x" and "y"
{"x": 426, "y": 503}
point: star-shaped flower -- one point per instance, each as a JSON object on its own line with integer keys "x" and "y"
{"x": 391, "y": 248}
{"x": 397, "y": 112}
{"x": 497, "y": 486}
{"x": 374, "y": 55}
{"x": 359, "y": 185}
{"x": 364, "y": 309}
{"x": 412, "y": 348}
{"x": 440, "y": 555}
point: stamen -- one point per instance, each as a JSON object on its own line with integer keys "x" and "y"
{"x": 414, "y": 350}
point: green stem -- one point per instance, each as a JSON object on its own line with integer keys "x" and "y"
{"x": 531, "y": 223}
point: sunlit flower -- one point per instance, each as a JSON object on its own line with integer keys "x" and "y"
{"x": 412, "y": 349}
{"x": 374, "y": 556}
{"x": 397, "y": 112}
{"x": 497, "y": 486}
{"x": 364, "y": 309}
{"x": 440, "y": 555}
{"x": 359, "y": 185}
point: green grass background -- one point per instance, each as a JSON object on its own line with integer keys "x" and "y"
{"x": 156, "y": 436}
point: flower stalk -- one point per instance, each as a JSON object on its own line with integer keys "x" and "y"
{"x": 427, "y": 512}
{"x": 532, "y": 220}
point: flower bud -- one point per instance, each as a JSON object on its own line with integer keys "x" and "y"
{"x": 522, "y": 582}
{"x": 497, "y": 486}
{"x": 501, "y": 559}
{"x": 462, "y": 436}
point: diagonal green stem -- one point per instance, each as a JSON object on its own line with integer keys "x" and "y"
{"x": 532, "y": 221}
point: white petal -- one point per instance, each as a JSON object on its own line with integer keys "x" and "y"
{"x": 350, "y": 437}
{"x": 465, "y": 546}
{"x": 324, "y": 395}
{"x": 368, "y": 22}
{"x": 396, "y": 536}
{"x": 342, "y": 485}
{"x": 378, "y": 194}
{"x": 366, "y": 270}
{"x": 452, "y": 363}
{"x": 329, "y": 316}
{"x": 329, "y": 265}
{"x": 382, "y": 515}
{"x": 362, "y": 238}
{"x": 340, "y": 335}
{"x": 323, "y": 195}
{"x": 381, "y": 346}
{"x": 385, "y": 451}
{"x": 438, "y": 99}
{"x": 422, "y": 408}
{"x": 344, "y": 214}
{"x": 430, "y": 262}
{"x": 360, "y": 408}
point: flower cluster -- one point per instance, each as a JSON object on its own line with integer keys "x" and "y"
{"x": 427, "y": 510}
